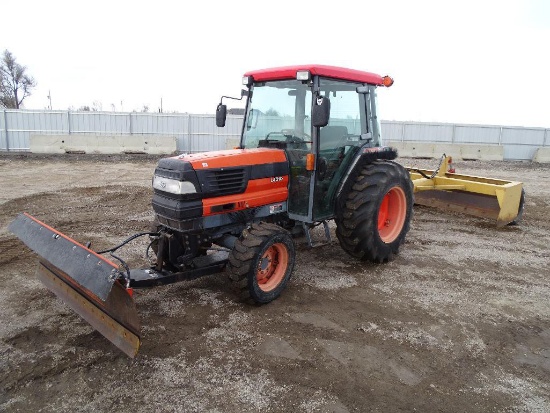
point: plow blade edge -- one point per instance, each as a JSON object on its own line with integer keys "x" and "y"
{"x": 84, "y": 280}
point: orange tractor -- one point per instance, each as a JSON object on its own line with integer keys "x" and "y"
{"x": 310, "y": 151}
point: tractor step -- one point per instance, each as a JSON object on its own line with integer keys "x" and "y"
{"x": 313, "y": 244}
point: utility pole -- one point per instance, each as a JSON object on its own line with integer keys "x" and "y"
{"x": 50, "y": 99}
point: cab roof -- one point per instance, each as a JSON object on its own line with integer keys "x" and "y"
{"x": 289, "y": 72}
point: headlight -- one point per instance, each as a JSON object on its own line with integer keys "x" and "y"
{"x": 172, "y": 186}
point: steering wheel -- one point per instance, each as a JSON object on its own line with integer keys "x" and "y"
{"x": 292, "y": 141}
{"x": 273, "y": 133}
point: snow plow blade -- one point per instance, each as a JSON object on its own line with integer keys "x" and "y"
{"x": 84, "y": 280}
{"x": 495, "y": 199}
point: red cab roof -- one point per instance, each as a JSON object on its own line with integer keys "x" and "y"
{"x": 289, "y": 72}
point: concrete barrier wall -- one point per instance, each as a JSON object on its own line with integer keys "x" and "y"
{"x": 159, "y": 145}
{"x": 231, "y": 143}
{"x": 198, "y": 133}
{"x": 103, "y": 144}
{"x": 542, "y": 155}
{"x": 457, "y": 151}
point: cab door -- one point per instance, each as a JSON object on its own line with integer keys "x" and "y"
{"x": 279, "y": 116}
{"x": 338, "y": 142}
{"x": 301, "y": 180}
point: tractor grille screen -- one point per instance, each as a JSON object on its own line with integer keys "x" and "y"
{"x": 226, "y": 181}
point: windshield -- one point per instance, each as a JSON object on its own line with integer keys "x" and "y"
{"x": 278, "y": 111}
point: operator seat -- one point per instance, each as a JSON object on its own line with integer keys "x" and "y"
{"x": 333, "y": 137}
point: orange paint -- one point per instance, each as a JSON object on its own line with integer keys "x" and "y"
{"x": 234, "y": 157}
{"x": 258, "y": 192}
{"x": 392, "y": 214}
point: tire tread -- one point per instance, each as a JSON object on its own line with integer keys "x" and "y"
{"x": 357, "y": 218}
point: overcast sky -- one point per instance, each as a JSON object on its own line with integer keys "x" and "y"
{"x": 453, "y": 61}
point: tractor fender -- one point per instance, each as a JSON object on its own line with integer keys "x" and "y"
{"x": 364, "y": 156}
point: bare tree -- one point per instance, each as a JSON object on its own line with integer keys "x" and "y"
{"x": 97, "y": 106}
{"x": 1, "y": 91}
{"x": 16, "y": 85}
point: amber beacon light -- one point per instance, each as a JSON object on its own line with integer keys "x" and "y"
{"x": 387, "y": 81}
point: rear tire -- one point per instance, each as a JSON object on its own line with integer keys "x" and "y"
{"x": 261, "y": 262}
{"x": 374, "y": 215}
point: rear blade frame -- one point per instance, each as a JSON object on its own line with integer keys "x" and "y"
{"x": 478, "y": 196}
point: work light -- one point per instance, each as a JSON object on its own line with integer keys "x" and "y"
{"x": 303, "y": 75}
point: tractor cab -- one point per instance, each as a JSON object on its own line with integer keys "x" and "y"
{"x": 321, "y": 116}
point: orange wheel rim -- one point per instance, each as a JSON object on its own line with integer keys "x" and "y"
{"x": 392, "y": 214}
{"x": 272, "y": 267}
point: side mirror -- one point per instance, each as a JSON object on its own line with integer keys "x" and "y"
{"x": 321, "y": 112}
{"x": 221, "y": 115}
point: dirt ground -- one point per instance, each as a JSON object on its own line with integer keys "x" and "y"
{"x": 459, "y": 321}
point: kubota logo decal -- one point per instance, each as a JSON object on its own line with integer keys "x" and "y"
{"x": 276, "y": 179}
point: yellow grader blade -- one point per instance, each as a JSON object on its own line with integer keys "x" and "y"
{"x": 84, "y": 280}
{"x": 490, "y": 198}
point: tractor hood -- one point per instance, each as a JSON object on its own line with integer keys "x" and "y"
{"x": 233, "y": 158}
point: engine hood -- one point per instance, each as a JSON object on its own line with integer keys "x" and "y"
{"x": 233, "y": 157}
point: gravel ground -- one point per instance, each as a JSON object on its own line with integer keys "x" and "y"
{"x": 459, "y": 321}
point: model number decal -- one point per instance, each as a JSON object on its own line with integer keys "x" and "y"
{"x": 276, "y": 179}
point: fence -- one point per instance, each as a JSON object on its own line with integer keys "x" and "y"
{"x": 193, "y": 133}
{"x": 519, "y": 143}
{"x": 199, "y": 132}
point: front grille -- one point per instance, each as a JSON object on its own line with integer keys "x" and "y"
{"x": 226, "y": 181}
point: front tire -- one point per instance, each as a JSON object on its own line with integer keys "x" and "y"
{"x": 374, "y": 215}
{"x": 261, "y": 262}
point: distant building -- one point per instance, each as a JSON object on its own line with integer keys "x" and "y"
{"x": 235, "y": 111}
